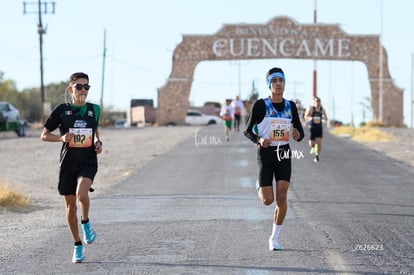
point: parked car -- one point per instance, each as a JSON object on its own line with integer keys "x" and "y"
{"x": 120, "y": 123}
{"x": 8, "y": 113}
{"x": 195, "y": 117}
{"x": 10, "y": 119}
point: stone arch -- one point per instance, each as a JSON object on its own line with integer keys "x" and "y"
{"x": 281, "y": 37}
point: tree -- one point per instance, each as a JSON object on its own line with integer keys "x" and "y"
{"x": 29, "y": 105}
{"x": 56, "y": 93}
{"x": 366, "y": 107}
{"x": 254, "y": 94}
{"x": 28, "y": 101}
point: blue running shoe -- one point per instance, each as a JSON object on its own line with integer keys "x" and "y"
{"x": 274, "y": 245}
{"x": 89, "y": 235}
{"x": 78, "y": 256}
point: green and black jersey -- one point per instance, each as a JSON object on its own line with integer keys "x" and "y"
{"x": 82, "y": 121}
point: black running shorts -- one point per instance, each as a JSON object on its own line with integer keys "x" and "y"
{"x": 273, "y": 162}
{"x": 315, "y": 132}
{"x": 68, "y": 178}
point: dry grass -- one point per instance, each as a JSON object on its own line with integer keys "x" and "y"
{"x": 10, "y": 198}
{"x": 363, "y": 134}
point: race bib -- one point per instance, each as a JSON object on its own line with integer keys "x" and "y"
{"x": 227, "y": 116}
{"x": 237, "y": 111}
{"x": 279, "y": 130}
{"x": 316, "y": 119}
{"x": 82, "y": 137}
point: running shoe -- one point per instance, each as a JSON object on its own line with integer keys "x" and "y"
{"x": 78, "y": 256}
{"x": 312, "y": 150}
{"x": 316, "y": 159}
{"x": 274, "y": 245}
{"x": 89, "y": 235}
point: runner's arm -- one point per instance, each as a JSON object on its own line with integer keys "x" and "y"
{"x": 308, "y": 114}
{"x": 324, "y": 115}
{"x": 256, "y": 115}
{"x": 296, "y": 121}
{"x": 47, "y": 135}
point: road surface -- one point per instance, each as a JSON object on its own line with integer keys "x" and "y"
{"x": 195, "y": 210}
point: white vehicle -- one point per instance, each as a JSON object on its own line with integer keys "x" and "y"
{"x": 8, "y": 113}
{"x": 195, "y": 117}
{"x": 10, "y": 119}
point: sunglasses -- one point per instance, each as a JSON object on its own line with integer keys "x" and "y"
{"x": 80, "y": 86}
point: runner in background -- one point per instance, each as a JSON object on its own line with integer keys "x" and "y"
{"x": 315, "y": 114}
{"x": 238, "y": 107}
{"x": 227, "y": 114}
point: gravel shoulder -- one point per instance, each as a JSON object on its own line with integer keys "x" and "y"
{"x": 30, "y": 166}
{"x": 401, "y": 148}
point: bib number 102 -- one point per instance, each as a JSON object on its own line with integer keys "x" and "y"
{"x": 79, "y": 138}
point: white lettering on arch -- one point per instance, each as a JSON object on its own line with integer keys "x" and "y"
{"x": 282, "y": 48}
{"x": 267, "y": 46}
{"x": 329, "y": 47}
{"x": 343, "y": 47}
{"x": 218, "y": 46}
{"x": 260, "y": 47}
{"x": 303, "y": 47}
{"x": 253, "y": 47}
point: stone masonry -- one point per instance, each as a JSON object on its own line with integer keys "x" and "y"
{"x": 281, "y": 37}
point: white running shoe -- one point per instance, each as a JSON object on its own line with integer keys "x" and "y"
{"x": 274, "y": 245}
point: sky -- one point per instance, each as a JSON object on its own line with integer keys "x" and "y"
{"x": 142, "y": 35}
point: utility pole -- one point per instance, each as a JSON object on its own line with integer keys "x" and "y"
{"x": 239, "y": 79}
{"x": 41, "y": 31}
{"x": 381, "y": 92}
{"x": 314, "y": 61}
{"x": 103, "y": 71}
{"x": 412, "y": 84}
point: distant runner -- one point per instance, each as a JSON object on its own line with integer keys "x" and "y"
{"x": 315, "y": 114}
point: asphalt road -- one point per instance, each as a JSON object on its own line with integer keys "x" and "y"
{"x": 195, "y": 210}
